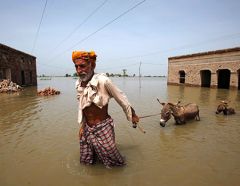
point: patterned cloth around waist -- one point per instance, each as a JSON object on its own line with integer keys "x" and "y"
{"x": 100, "y": 140}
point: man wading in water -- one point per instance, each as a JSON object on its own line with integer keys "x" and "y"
{"x": 97, "y": 137}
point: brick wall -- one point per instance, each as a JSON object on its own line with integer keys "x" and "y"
{"x": 17, "y": 66}
{"x": 215, "y": 62}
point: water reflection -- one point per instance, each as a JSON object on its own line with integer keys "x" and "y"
{"x": 204, "y": 94}
{"x": 223, "y": 94}
{"x": 237, "y": 100}
{"x": 15, "y": 108}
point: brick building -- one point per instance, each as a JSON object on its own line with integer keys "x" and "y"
{"x": 17, "y": 66}
{"x": 215, "y": 69}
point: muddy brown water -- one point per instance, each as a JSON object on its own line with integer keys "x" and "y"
{"x": 39, "y": 142}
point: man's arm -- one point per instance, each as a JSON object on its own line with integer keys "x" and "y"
{"x": 122, "y": 100}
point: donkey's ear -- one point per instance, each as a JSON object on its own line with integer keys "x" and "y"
{"x": 160, "y": 102}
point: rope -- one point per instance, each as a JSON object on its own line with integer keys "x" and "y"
{"x": 149, "y": 115}
{"x": 139, "y": 127}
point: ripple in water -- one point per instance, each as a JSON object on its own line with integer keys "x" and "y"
{"x": 72, "y": 165}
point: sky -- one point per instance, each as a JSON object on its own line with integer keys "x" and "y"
{"x": 136, "y": 35}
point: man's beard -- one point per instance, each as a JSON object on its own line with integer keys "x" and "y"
{"x": 85, "y": 76}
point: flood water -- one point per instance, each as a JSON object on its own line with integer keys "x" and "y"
{"x": 39, "y": 138}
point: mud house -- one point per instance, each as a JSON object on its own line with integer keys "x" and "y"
{"x": 17, "y": 66}
{"x": 215, "y": 69}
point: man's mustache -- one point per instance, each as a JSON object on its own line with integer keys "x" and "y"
{"x": 83, "y": 74}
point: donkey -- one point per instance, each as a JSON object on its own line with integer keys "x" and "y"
{"x": 180, "y": 113}
{"x": 223, "y": 107}
{"x": 184, "y": 113}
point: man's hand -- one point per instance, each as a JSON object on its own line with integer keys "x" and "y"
{"x": 135, "y": 120}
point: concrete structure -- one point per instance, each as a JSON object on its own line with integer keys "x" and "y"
{"x": 215, "y": 69}
{"x": 17, "y": 66}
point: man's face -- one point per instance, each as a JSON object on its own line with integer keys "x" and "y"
{"x": 84, "y": 68}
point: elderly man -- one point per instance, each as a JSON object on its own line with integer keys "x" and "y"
{"x": 97, "y": 138}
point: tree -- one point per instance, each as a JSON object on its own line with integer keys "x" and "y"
{"x": 124, "y": 72}
{"x": 75, "y": 74}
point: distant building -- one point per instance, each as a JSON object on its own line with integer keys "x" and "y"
{"x": 215, "y": 69}
{"x": 17, "y": 66}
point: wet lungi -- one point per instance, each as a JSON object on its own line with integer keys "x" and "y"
{"x": 99, "y": 141}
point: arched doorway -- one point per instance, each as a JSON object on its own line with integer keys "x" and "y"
{"x": 224, "y": 78}
{"x": 23, "y": 77}
{"x": 205, "y": 78}
{"x": 181, "y": 76}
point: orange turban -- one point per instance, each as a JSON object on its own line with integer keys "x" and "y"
{"x": 84, "y": 55}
